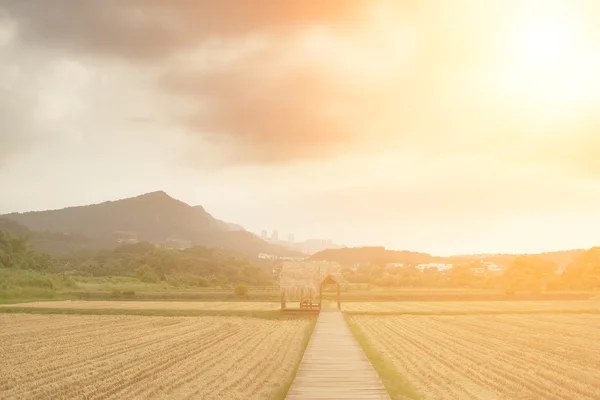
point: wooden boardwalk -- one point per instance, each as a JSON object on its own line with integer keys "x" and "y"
{"x": 334, "y": 365}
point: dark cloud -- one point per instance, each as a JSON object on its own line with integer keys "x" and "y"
{"x": 155, "y": 28}
{"x": 259, "y": 112}
{"x": 258, "y": 108}
{"x": 271, "y": 114}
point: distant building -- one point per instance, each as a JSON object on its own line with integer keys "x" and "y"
{"x": 439, "y": 267}
{"x": 479, "y": 270}
{"x": 265, "y": 256}
{"x": 291, "y": 238}
{"x": 493, "y": 269}
{"x": 127, "y": 241}
{"x": 392, "y": 266}
{"x": 275, "y": 235}
{"x": 264, "y": 234}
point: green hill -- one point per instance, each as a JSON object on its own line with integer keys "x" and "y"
{"x": 154, "y": 217}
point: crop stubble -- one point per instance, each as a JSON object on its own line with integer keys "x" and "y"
{"x": 152, "y": 305}
{"x": 470, "y": 306}
{"x": 492, "y": 357}
{"x": 118, "y": 357}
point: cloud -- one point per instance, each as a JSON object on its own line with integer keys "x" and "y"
{"x": 249, "y": 128}
{"x": 269, "y": 109}
{"x": 16, "y": 130}
{"x": 13, "y": 128}
{"x": 156, "y": 28}
{"x": 272, "y": 81}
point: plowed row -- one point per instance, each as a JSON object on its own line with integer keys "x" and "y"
{"x": 152, "y": 305}
{"x": 124, "y": 357}
{"x": 472, "y": 306}
{"x": 492, "y": 357}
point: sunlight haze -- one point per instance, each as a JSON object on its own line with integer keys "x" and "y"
{"x": 448, "y": 127}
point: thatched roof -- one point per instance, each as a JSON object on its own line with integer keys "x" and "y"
{"x": 306, "y": 277}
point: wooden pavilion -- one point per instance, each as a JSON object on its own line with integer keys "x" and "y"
{"x": 303, "y": 282}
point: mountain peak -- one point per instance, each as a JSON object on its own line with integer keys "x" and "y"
{"x": 154, "y": 217}
{"x": 157, "y": 194}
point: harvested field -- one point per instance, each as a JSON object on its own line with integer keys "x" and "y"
{"x": 152, "y": 305}
{"x": 491, "y": 357}
{"x": 466, "y": 307}
{"x": 125, "y": 357}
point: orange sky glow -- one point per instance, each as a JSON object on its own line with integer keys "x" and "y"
{"x": 464, "y": 126}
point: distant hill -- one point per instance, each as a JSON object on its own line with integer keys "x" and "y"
{"x": 368, "y": 255}
{"x": 154, "y": 217}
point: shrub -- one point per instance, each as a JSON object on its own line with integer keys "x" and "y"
{"x": 147, "y": 274}
{"x": 241, "y": 290}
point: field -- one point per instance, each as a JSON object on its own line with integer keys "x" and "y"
{"x": 153, "y": 305}
{"x": 126, "y": 357}
{"x": 466, "y": 307}
{"x": 489, "y": 357}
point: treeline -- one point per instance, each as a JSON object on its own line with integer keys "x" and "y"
{"x": 195, "y": 266}
{"x": 23, "y": 268}
{"x": 366, "y": 256}
{"x": 531, "y": 273}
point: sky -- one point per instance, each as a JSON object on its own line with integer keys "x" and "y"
{"x": 444, "y": 126}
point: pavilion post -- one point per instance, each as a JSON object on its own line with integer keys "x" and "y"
{"x": 320, "y": 295}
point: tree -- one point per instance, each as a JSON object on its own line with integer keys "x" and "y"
{"x": 461, "y": 275}
{"x": 147, "y": 274}
{"x": 15, "y": 251}
{"x": 584, "y": 273}
{"x": 528, "y": 272}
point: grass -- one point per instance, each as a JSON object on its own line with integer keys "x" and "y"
{"x": 397, "y": 386}
{"x": 174, "y": 295}
{"x": 18, "y": 284}
{"x": 17, "y": 300}
{"x": 282, "y": 393}
{"x": 263, "y": 314}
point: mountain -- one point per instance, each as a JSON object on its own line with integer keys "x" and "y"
{"x": 225, "y": 226}
{"x": 154, "y": 217}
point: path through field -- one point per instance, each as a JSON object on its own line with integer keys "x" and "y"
{"x": 334, "y": 365}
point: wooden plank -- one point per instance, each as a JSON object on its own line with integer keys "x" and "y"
{"x": 334, "y": 365}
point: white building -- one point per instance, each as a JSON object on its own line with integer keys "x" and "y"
{"x": 439, "y": 267}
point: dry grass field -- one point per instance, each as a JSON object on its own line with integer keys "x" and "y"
{"x": 458, "y": 307}
{"x": 152, "y": 305}
{"x": 124, "y": 357}
{"x": 490, "y": 357}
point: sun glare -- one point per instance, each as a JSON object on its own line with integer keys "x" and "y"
{"x": 549, "y": 65}
{"x": 544, "y": 41}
